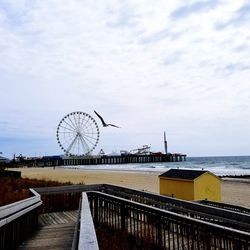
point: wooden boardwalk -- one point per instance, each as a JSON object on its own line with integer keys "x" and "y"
{"x": 55, "y": 232}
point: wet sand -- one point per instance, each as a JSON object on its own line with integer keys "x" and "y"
{"x": 234, "y": 191}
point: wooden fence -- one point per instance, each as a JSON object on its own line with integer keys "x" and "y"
{"x": 163, "y": 229}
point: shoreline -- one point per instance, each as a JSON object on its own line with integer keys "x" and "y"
{"x": 234, "y": 190}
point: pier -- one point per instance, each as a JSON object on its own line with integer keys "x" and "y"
{"x": 48, "y": 161}
{"x": 123, "y": 159}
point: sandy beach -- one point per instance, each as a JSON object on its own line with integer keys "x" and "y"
{"x": 234, "y": 191}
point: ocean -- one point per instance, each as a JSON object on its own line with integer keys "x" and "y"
{"x": 219, "y": 165}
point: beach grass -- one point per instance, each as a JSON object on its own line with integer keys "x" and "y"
{"x": 14, "y": 189}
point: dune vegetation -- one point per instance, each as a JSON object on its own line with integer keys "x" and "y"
{"x": 15, "y": 189}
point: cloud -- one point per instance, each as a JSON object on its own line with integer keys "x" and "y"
{"x": 124, "y": 16}
{"x": 194, "y": 8}
{"x": 131, "y": 61}
{"x": 174, "y": 58}
{"x": 242, "y": 48}
{"x": 234, "y": 67}
{"x": 238, "y": 18}
{"x": 161, "y": 35}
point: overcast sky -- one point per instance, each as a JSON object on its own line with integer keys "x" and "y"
{"x": 148, "y": 66}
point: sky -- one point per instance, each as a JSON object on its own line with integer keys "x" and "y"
{"x": 148, "y": 66}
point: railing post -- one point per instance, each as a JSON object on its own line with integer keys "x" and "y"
{"x": 123, "y": 215}
{"x": 159, "y": 232}
{"x": 96, "y": 209}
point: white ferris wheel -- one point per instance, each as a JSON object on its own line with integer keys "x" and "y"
{"x": 77, "y": 134}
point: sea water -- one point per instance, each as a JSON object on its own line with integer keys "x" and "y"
{"x": 219, "y": 165}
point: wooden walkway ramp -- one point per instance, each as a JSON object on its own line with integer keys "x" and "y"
{"x": 55, "y": 232}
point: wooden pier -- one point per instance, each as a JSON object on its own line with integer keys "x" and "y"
{"x": 48, "y": 161}
{"x": 123, "y": 159}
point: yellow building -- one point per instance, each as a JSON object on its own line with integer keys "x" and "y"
{"x": 190, "y": 185}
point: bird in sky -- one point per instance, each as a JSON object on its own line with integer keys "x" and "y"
{"x": 104, "y": 124}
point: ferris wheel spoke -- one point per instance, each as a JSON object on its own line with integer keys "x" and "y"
{"x": 82, "y": 120}
{"x": 79, "y": 120}
{"x": 85, "y": 147}
{"x": 76, "y": 146}
{"x": 69, "y": 138}
{"x": 65, "y": 128}
{"x": 88, "y": 126}
{"x": 65, "y": 132}
{"x": 84, "y": 144}
{"x": 72, "y": 143}
{"x": 73, "y": 124}
{"x": 87, "y": 120}
{"x": 88, "y": 140}
{"x": 68, "y": 135}
{"x": 80, "y": 146}
{"x": 69, "y": 125}
{"x": 74, "y": 117}
{"x": 75, "y": 149}
{"x": 86, "y": 135}
{"x": 88, "y": 123}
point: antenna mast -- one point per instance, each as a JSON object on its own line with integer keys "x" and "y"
{"x": 165, "y": 143}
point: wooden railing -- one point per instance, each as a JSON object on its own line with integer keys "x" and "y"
{"x": 18, "y": 220}
{"x": 162, "y": 229}
{"x": 87, "y": 235}
{"x": 162, "y": 221}
{"x": 230, "y": 207}
{"x": 218, "y": 215}
{"x": 84, "y": 233}
{"x": 67, "y": 197}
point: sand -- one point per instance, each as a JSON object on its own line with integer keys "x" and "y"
{"x": 234, "y": 191}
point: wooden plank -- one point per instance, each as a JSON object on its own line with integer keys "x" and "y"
{"x": 58, "y": 218}
{"x": 54, "y": 237}
{"x": 56, "y": 232}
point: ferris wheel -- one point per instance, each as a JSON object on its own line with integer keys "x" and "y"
{"x": 77, "y": 134}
